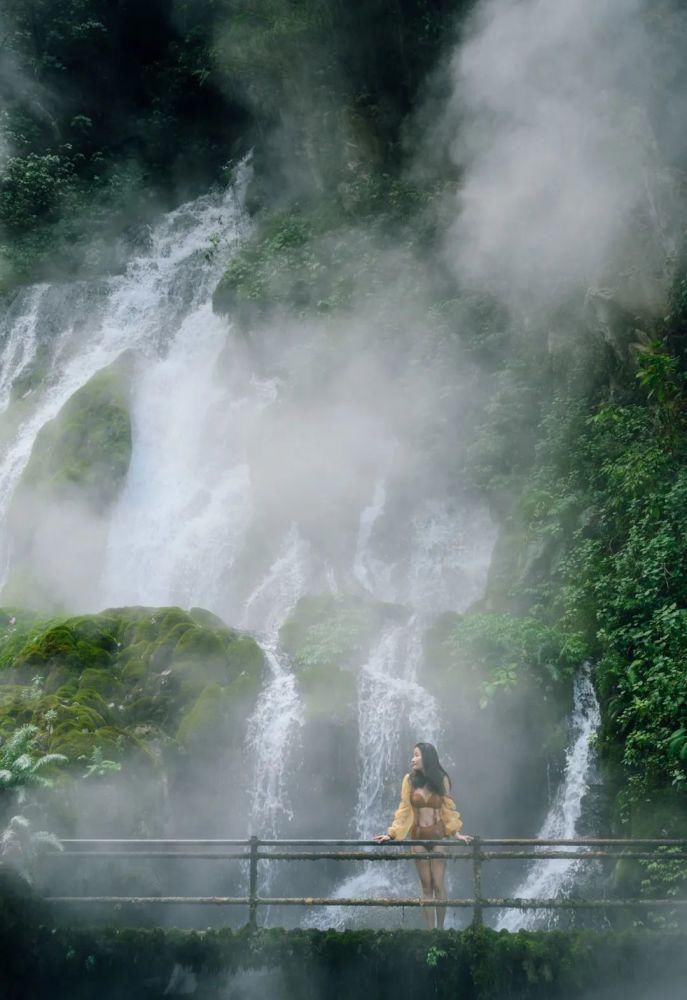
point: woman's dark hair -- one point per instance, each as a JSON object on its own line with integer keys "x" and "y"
{"x": 432, "y": 774}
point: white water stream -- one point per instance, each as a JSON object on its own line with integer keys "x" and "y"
{"x": 549, "y": 879}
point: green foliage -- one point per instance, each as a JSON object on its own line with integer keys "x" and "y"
{"x": 32, "y": 188}
{"x": 606, "y": 503}
{"x": 327, "y": 638}
{"x": 22, "y": 846}
{"x": 81, "y": 166}
{"x": 325, "y": 256}
{"x": 472, "y": 965}
{"x": 97, "y": 766}
{"x": 334, "y": 631}
{"x": 504, "y": 651}
{"x": 22, "y": 763}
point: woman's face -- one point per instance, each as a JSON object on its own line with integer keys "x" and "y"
{"x": 416, "y": 759}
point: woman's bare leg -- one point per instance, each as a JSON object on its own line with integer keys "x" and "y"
{"x": 424, "y": 870}
{"x": 438, "y": 872}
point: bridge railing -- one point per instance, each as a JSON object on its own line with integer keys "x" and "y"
{"x": 477, "y": 853}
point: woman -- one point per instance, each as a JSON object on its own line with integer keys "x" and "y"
{"x": 427, "y": 812}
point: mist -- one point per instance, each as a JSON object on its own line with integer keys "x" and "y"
{"x": 563, "y": 185}
{"x": 321, "y": 452}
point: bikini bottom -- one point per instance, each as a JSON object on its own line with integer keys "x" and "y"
{"x": 434, "y": 832}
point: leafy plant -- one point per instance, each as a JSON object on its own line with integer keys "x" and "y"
{"x": 435, "y": 955}
{"x": 21, "y": 846}
{"x": 97, "y": 766}
{"x": 505, "y": 649}
{"x": 22, "y": 764}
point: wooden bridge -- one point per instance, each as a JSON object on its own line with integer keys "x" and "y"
{"x": 479, "y": 852}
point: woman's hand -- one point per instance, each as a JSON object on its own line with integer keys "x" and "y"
{"x": 381, "y": 838}
{"x": 464, "y": 837}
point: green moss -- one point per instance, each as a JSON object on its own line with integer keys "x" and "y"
{"x": 244, "y": 656}
{"x": 54, "y": 646}
{"x": 87, "y": 448}
{"x": 91, "y": 699}
{"x": 328, "y": 637}
{"x": 104, "y": 682}
{"x": 334, "y": 631}
{"x": 328, "y": 694}
{"x": 134, "y": 671}
{"x": 208, "y": 723}
{"x": 206, "y": 618}
{"x": 199, "y": 643}
{"x": 17, "y": 627}
{"x": 138, "y": 674}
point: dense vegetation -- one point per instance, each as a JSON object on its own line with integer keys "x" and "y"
{"x": 73, "y": 962}
{"x": 114, "y": 111}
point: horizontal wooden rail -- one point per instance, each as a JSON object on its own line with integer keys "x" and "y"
{"x": 484, "y": 841}
{"x": 377, "y": 856}
{"x": 477, "y": 851}
{"x": 504, "y": 902}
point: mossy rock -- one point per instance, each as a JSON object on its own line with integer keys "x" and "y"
{"x": 199, "y": 644}
{"x": 100, "y": 631}
{"x": 245, "y": 656}
{"x": 17, "y": 626}
{"x": 87, "y": 447}
{"x": 104, "y": 682}
{"x": 203, "y": 657}
{"x": 173, "y": 620}
{"x": 57, "y": 678}
{"x": 134, "y": 672}
{"x": 67, "y": 691}
{"x": 78, "y": 746}
{"x": 206, "y": 618}
{"x": 57, "y": 645}
{"x": 211, "y": 722}
{"x": 125, "y": 672}
{"x": 336, "y": 631}
{"x": 328, "y": 693}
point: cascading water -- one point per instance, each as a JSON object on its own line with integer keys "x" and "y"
{"x": 446, "y": 569}
{"x": 19, "y": 334}
{"x": 202, "y": 521}
{"x": 85, "y": 326}
{"x": 279, "y": 713}
{"x": 548, "y": 879}
{"x": 388, "y": 703}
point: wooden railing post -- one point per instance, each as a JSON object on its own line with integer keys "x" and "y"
{"x": 253, "y": 884}
{"x": 477, "y": 881}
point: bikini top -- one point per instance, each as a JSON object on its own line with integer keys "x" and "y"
{"x": 419, "y": 801}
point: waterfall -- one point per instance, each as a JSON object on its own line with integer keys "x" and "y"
{"x": 279, "y": 713}
{"x": 362, "y": 570}
{"x": 548, "y": 879}
{"x": 214, "y": 513}
{"x": 389, "y": 704}
{"x": 83, "y": 326}
{"x": 446, "y": 569}
{"x": 19, "y": 334}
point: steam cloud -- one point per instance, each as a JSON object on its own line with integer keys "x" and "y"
{"x": 547, "y": 122}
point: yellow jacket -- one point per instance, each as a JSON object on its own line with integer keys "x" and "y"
{"x": 404, "y": 816}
